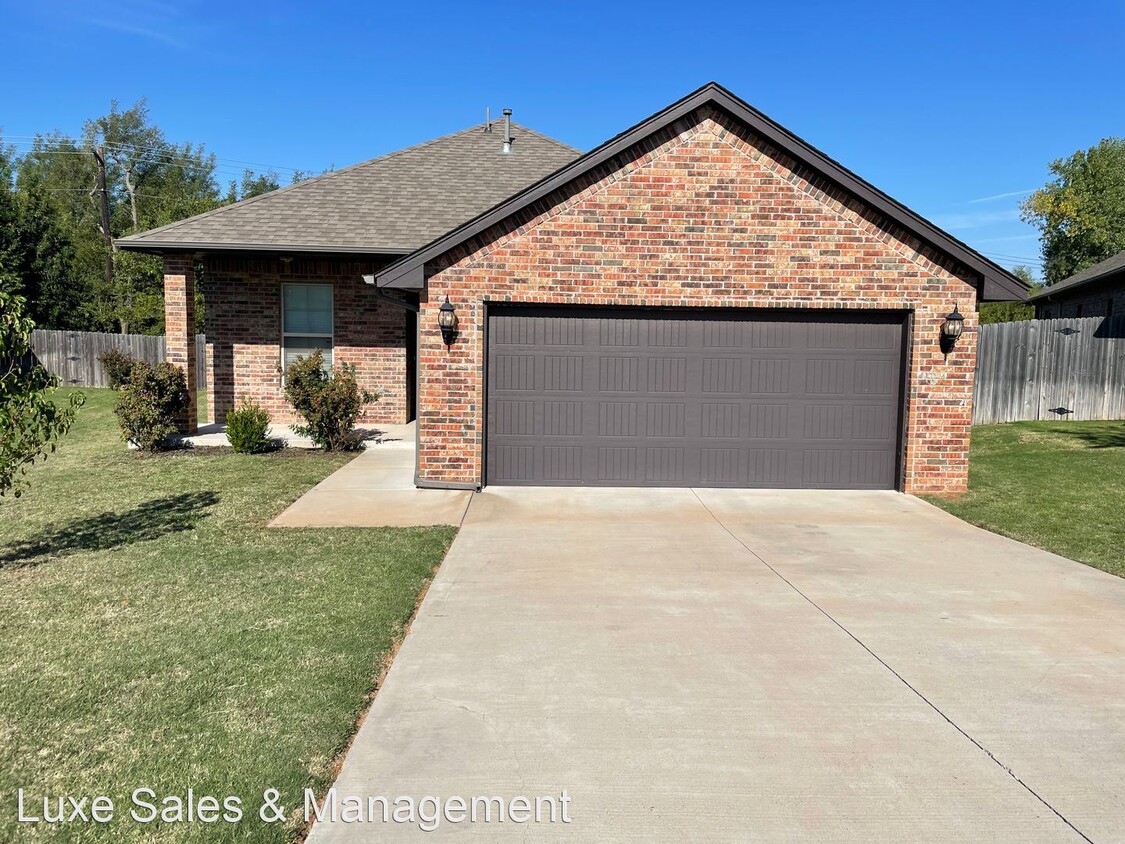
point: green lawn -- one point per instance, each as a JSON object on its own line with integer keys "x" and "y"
{"x": 154, "y": 632}
{"x": 1057, "y": 485}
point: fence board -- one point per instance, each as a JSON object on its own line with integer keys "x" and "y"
{"x": 73, "y": 355}
{"x": 1051, "y": 369}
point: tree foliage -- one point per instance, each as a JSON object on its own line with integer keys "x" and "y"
{"x": 30, "y": 422}
{"x": 50, "y": 218}
{"x": 1081, "y": 211}
{"x": 330, "y": 402}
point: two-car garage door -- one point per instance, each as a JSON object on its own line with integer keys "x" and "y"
{"x": 664, "y": 397}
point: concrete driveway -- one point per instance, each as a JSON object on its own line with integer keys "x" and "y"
{"x": 743, "y": 665}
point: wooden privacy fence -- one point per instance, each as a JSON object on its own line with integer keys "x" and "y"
{"x": 1051, "y": 369}
{"x": 73, "y": 355}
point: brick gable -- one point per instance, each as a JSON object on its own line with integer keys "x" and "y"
{"x": 701, "y": 214}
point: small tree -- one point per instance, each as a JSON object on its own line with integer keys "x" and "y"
{"x": 329, "y": 402}
{"x": 30, "y": 423}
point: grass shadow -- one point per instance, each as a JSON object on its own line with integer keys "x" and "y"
{"x": 147, "y": 521}
{"x": 1109, "y": 435}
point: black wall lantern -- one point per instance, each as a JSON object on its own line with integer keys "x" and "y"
{"x": 951, "y": 329}
{"x": 447, "y": 321}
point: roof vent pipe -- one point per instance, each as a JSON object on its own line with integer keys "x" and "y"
{"x": 507, "y": 148}
{"x": 488, "y": 118}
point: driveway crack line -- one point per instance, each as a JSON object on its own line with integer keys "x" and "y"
{"x": 898, "y": 676}
{"x": 465, "y": 512}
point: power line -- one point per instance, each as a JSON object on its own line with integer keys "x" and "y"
{"x": 1021, "y": 258}
{"x": 154, "y": 151}
{"x": 220, "y": 170}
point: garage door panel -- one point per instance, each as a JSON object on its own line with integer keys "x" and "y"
{"x": 768, "y": 421}
{"x": 667, "y": 375}
{"x": 769, "y": 375}
{"x": 719, "y": 398}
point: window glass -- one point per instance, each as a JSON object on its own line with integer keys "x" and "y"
{"x": 307, "y": 309}
{"x": 306, "y": 321}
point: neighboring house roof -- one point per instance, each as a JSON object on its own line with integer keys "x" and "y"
{"x": 997, "y": 283}
{"x": 1105, "y": 271}
{"x": 391, "y": 204}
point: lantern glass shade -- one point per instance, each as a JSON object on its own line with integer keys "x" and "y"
{"x": 447, "y": 318}
{"x": 954, "y": 323}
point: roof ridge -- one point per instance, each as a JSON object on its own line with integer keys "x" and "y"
{"x": 1104, "y": 269}
{"x": 995, "y": 281}
{"x": 141, "y": 237}
{"x": 548, "y": 138}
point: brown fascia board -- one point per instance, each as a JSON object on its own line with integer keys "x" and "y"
{"x": 997, "y": 284}
{"x": 1062, "y": 289}
{"x": 157, "y": 247}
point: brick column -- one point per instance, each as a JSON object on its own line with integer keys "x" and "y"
{"x": 179, "y": 328}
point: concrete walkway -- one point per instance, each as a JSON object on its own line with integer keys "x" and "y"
{"x": 734, "y": 666}
{"x": 215, "y": 435}
{"x": 376, "y": 489}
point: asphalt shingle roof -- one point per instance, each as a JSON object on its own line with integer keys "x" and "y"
{"x": 1108, "y": 267}
{"x": 394, "y": 203}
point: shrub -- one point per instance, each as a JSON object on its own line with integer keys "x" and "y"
{"x": 329, "y": 402}
{"x": 247, "y": 427}
{"x": 117, "y": 365}
{"x": 149, "y": 402}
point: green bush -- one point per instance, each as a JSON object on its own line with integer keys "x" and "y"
{"x": 117, "y": 365}
{"x": 329, "y": 402}
{"x": 247, "y": 428}
{"x": 149, "y": 403}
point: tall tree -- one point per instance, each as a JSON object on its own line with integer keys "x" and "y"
{"x": 151, "y": 182}
{"x": 70, "y": 271}
{"x": 1081, "y": 211}
{"x": 9, "y": 211}
{"x": 58, "y": 177}
{"x": 34, "y": 251}
{"x": 255, "y": 184}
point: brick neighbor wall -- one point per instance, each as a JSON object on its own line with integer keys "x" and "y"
{"x": 1100, "y": 299}
{"x": 703, "y": 214}
{"x": 243, "y": 325}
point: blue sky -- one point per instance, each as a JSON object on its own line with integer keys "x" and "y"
{"x": 953, "y": 108}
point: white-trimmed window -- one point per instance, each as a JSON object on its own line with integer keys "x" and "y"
{"x": 306, "y": 322}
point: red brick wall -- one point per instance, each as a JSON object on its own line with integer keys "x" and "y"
{"x": 1106, "y": 299}
{"x": 705, "y": 214}
{"x": 179, "y": 312}
{"x": 243, "y": 325}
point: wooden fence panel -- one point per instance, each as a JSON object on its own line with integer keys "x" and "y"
{"x": 1051, "y": 369}
{"x": 73, "y": 355}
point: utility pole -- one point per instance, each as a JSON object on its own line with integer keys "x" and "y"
{"x": 99, "y": 155}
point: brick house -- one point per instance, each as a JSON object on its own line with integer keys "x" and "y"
{"x": 703, "y": 300}
{"x": 1097, "y": 291}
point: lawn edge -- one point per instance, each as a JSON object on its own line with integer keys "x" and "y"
{"x": 335, "y": 767}
{"x": 931, "y": 501}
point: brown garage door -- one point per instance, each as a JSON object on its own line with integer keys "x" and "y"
{"x": 609, "y": 397}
